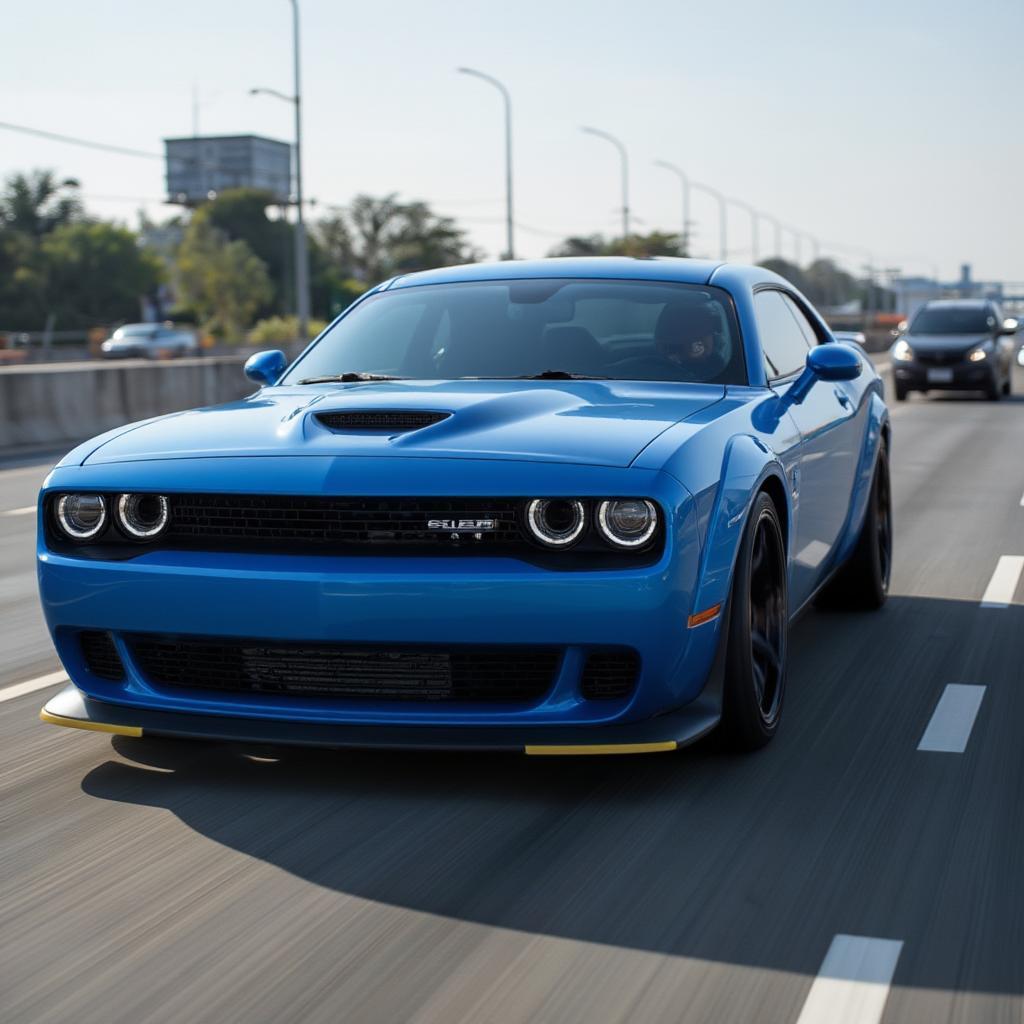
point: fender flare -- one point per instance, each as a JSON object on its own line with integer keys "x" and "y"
{"x": 747, "y": 464}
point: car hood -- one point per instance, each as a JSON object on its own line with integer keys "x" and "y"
{"x": 601, "y": 423}
{"x": 945, "y": 342}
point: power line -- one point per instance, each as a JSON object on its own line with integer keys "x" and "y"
{"x": 74, "y": 141}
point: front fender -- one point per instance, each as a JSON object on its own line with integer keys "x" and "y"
{"x": 747, "y": 464}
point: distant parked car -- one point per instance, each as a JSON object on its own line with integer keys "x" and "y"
{"x": 150, "y": 341}
{"x": 955, "y": 345}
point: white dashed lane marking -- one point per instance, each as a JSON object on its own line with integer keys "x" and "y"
{"x": 27, "y": 510}
{"x": 31, "y": 685}
{"x": 1003, "y": 585}
{"x": 952, "y": 720}
{"x": 853, "y": 983}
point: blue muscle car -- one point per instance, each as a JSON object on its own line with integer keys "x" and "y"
{"x": 564, "y": 506}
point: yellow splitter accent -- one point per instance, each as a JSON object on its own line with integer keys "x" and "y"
{"x": 586, "y": 749}
{"x": 78, "y": 723}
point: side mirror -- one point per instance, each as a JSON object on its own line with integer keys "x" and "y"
{"x": 1010, "y": 325}
{"x": 832, "y": 362}
{"x": 265, "y": 368}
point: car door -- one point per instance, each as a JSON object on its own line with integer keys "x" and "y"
{"x": 827, "y": 419}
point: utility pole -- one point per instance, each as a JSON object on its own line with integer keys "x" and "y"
{"x": 625, "y": 174}
{"x": 684, "y": 238}
{"x": 509, "y": 223}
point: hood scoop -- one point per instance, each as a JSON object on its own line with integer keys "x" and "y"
{"x": 388, "y": 421}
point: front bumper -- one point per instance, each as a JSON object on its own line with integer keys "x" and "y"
{"x": 394, "y": 600}
{"x": 949, "y": 377}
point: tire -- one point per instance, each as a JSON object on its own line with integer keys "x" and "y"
{"x": 755, "y": 667}
{"x": 994, "y": 391}
{"x": 900, "y": 392}
{"x": 863, "y": 582}
{"x": 1008, "y": 384}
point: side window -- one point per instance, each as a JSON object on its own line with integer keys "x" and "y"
{"x": 806, "y": 328}
{"x": 784, "y": 345}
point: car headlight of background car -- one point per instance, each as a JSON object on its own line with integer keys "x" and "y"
{"x": 83, "y": 517}
{"x": 902, "y": 352}
{"x": 980, "y": 352}
{"x": 628, "y": 523}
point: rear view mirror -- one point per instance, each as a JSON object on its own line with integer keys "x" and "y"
{"x": 265, "y": 368}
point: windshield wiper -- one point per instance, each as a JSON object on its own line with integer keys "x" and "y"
{"x": 352, "y": 377}
{"x": 559, "y": 375}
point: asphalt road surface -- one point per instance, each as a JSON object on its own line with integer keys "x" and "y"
{"x": 842, "y": 874}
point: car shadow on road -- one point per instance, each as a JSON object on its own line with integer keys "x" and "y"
{"x": 840, "y": 825}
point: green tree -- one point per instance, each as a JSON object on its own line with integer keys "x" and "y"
{"x": 374, "y": 238}
{"x": 38, "y": 202}
{"x": 223, "y": 281}
{"x": 241, "y": 214}
{"x": 95, "y": 273}
{"x": 656, "y": 243}
{"x": 790, "y": 271}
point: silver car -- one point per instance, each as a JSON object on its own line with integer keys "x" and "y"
{"x": 150, "y": 341}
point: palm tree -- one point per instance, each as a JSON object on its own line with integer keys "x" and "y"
{"x": 38, "y": 202}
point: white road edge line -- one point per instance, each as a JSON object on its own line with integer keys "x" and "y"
{"x": 27, "y": 510}
{"x": 853, "y": 982}
{"x": 953, "y": 719}
{"x": 31, "y": 685}
{"x": 1001, "y": 588}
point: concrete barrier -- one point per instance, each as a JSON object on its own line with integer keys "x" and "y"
{"x": 63, "y": 403}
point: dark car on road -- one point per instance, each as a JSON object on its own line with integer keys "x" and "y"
{"x": 955, "y": 345}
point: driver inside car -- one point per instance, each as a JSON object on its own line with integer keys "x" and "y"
{"x": 687, "y": 336}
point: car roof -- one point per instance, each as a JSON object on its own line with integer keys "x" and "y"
{"x": 656, "y": 268}
{"x": 954, "y": 303}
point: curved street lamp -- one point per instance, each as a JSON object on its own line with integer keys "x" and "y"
{"x": 684, "y": 238}
{"x": 509, "y": 246}
{"x": 723, "y": 217}
{"x": 617, "y": 143}
{"x": 755, "y": 245}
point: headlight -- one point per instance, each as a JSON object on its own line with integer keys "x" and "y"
{"x": 556, "y": 522}
{"x": 980, "y": 352}
{"x": 902, "y": 352}
{"x": 82, "y": 516}
{"x": 142, "y": 516}
{"x": 627, "y": 522}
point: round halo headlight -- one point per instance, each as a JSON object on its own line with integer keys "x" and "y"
{"x": 556, "y": 522}
{"x": 627, "y": 522}
{"x": 82, "y": 516}
{"x": 143, "y": 516}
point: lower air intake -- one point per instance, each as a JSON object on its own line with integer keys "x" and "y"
{"x": 100, "y": 654}
{"x": 489, "y": 674}
{"x": 610, "y": 675}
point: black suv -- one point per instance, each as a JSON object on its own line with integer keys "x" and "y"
{"x": 955, "y": 345}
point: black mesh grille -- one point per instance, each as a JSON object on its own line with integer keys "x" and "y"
{"x": 342, "y": 522}
{"x": 940, "y": 358}
{"x": 101, "y": 657}
{"x": 511, "y": 674}
{"x": 610, "y": 675}
{"x": 381, "y": 419}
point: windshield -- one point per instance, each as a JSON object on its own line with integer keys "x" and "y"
{"x": 953, "y": 320}
{"x": 135, "y": 331}
{"x": 626, "y": 330}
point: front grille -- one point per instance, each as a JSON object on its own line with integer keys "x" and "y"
{"x": 100, "y": 654}
{"x": 213, "y": 519}
{"x": 381, "y": 419}
{"x": 405, "y": 673}
{"x": 610, "y": 675}
{"x": 939, "y": 358}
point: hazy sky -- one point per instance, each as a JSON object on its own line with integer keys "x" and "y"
{"x": 895, "y": 127}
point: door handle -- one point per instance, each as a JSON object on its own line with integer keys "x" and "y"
{"x": 844, "y": 398}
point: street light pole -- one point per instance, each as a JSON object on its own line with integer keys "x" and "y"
{"x": 625, "y": 174}
{"x": 755, "y": 242}
{"x": 509, "y": 244}
{"x": 684, "y": 238}
{"x": 301, "y": 249}
{"x": 723, "y": 222}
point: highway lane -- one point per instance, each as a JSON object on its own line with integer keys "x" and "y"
{"x": 151, "y": 880}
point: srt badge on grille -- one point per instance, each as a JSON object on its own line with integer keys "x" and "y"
{"x": 458, "y": 525}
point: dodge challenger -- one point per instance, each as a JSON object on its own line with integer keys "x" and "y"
{"x": 568, "y": 506}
